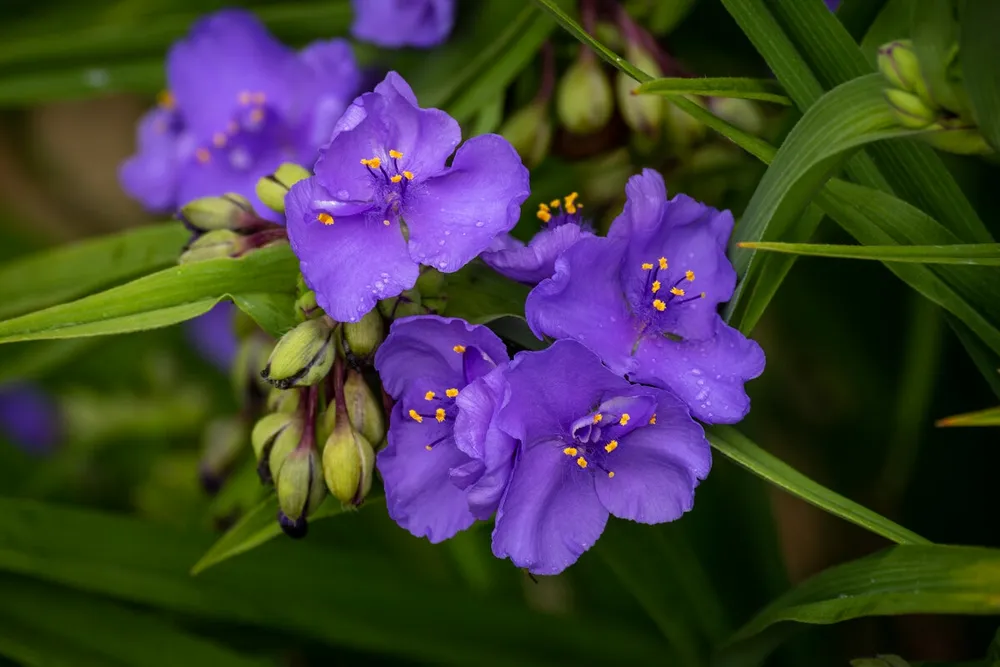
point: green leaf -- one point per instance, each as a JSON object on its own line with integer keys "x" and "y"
{"x": 748, "y": 89}
{"x": 742, "y": 451}
{"x": 479, "y": 294}
{"x": 987, "y": 417}
{"x": 76, "y": 82}
{"x": 160, "y": 299}
{"x": 935, "y": 34}
{"x": 980, "y": 55}
{"x": 273, "y": 312}
{"x": 31, "y": 361}
{"x": 976, "y": 254}
{"x": 67, "y": 272}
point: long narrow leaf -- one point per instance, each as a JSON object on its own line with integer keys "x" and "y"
{"x": 749, "y": 89}
{"x": 982, "y": 254}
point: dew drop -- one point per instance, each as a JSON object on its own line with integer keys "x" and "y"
{"x": 442, "y": 264}
{"x": 343, "y": 194}
{"x": 441, "y": 242}
{"x": 480, "y": 224}
{"x": 701, "y": 383}
{"x": 695, "y": 371}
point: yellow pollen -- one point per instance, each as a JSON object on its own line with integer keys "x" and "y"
{"x": 598, "y": 417}
{"x": 259, "y": 98}
{"x": 165, "y": 99}
{"x": 652, "y": 420}
{"x": 244, "y": 97}
{"x": 677, "y": 291}
{"x": 555, "y": 203}
{"x": 611, "y": 474}
{"x": 429, "y": 396}
{"x": 451, "y": 393}
{"x": 386, "y": 223}
{"x": 689, "y": 275}
{"x": 219, "y": 139}
{"x": 396, "y": 179}
{"x": 659, "y": 305}
{"x": 408, "y": 175}
{"x": 611, "y": 446}
{"x": 325, "y": 218}
{"x": 459, "y": 348}
{"x": 656, "y": 286}
{"x": 415, "y": 416}
{"x": 646, "y": 266}
{"x": 256, "y": 115}
{"x": 570, "y": 201}
{"x": 570, "y": 451}
{"x": 439, "y": 414}
{"x": 624, "y": 420}
{"x": 395, "y": 154}
{"x": 663, "y": 263}
{"x": 202, "y": 155}
{"x": 582, "y": 462}
{"x": 544, "y": 216}
{"x": 701, "y": 296}
{"x": 428, "y": 447}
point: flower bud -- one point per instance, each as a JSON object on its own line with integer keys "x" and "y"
{"x": 744, "y": 114}
{"x": 897, "y": 61}
{"x": 348, "y": 463}
{"x": 431, "y": 283}
{"x": 584, "y": 100}
{"x": 642, "y": 113}
{"x": 363, "y": 337}
{"x": 306, "y": 306}
{"x": 961, "y": 141}
{"x": 223, "y": 442}
{"x": 272, "y": 189}
{"x": 910, "y": 110}
{"x": 529, "y": 131}
{"x": 284, "y": 400}
{"x": 286, "y": 442}
{"x": 682, "y": 129}
{"x": 363, "y": 408}
{"x": 231, "y": 211}
{"x": 251, "y": 357}
{"x": 303, "y": 356}
{"x": 263, "y": 437}
{"x": 434, "y": 305}
{"x": 215, "y": 244}
{"x": 300, "y": 490}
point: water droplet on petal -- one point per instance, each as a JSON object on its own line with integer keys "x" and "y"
{"x": 441, "y": 242}
{"x": 442, "y": 264}
{"x": 480, "y": 224}
{"x": 695, "y": 371}
{"x": 343, "y": 194}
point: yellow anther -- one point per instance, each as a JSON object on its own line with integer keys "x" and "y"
{"x": 701, "y": 296}
{"x": 416, "y": 416}
{"x": 677, "y": 291}
{"x": 598, "y": 417}
{"x": 244, "y": 97}
{"x": 611, "y": 474}
{"x": 256, "y": 116}
{"x": 659, "y": 305}
{"x": 582, "y": 462}
{"x": 555, "y": 203}
{"x": 656, "y": 286}
{"x": 663, "y": 263}
{"x": 396, "y": 179}
{"x": 439, "y": 414}
{"x": 624, "y": 420}
{"x": 386, "y": 223}
{"x": 646, "y": 266}
{"x": 395, "y": 154}
{"x": 259, "y": 98}
{"x": 544, "y": 216}
{"x": 611, "y": 446}
{"x": 459, "y": 348}
{"x": 689, "y": 275}
{"x": 165, "y": 99}
{"x": 375, "y": 162}
{"x": 202, "y": 155}
{"x": 429, "y": 396}
{"x": 570, "y": 201}
{"x": 652, "y": 420}
{"x": 428, "y": 447}
{"x": 451, "y": 393}
{"x": 570, "y": 451}
{"x": 219, "y": 139}
{"x": 325, "y": 218}
{"x": 543, "y": 207}
{"x": 408, "y": 175}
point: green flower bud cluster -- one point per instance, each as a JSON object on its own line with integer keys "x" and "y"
{"x": 225, "y": 226}
{"x": 303, "y": 356}
{"x": 272, "y": 189}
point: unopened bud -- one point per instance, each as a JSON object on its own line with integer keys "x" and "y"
{"x": 284, "y": 400}
{"x": 223, "y": 442}
{"x": 897, "y": 61}
{"x": 584, "y": 100}
{"x": 251, "y": 357}
{"x": 363, "y": 337}
{"x": 231, "y": 211}
{"x": 215, "y": 244}
{"x": 263, "y": 437}
{"x": 306, "y": 306}
{"x": 348, "y": 463}
{"x": 683, "y": 130}
{"x": 286, "y": 442}
{"x": 744, "y": 114}
{"x": 300, "y": 490}
{"x": 910, "y": 110}
{"x": 642, "y": 113}
{"x": 435, "y": 305}
{"x": 272, "y": 189}
{"x": 431, "y": 283}
{"x": 364, "y": 410}
{"x": 529, "y": 130}
{"x": 961, "y": 141}
{"x": 303, "y": 356}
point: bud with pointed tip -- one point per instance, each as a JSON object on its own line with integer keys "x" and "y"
{"x": 584, "y": 99}
{"x": 230, "y": 211}
{"x": 642, "y": 113}
{"x": 961, "y": 141}
{"x": 272, "y": 189}
{"x": 286, "y": 442}
{"x": 251, "y": 357}
{"x": 300, "y": 490}
{"x": 897, "y": 62}
{"x": 529, "y": 130}
{"x": 909, "y": 109}
{"x": 363, "y": 337}
{"x": 364, "y": 410}
{"x": 263, "y": 437}
{"x": 284, "y": 400}
{"x": 223, "y": 441}
{"x": 303, "y": 356}
{"x": 348, "y": 463}
{"x": 216, "y": 244}
{"x": 306, "y": 307}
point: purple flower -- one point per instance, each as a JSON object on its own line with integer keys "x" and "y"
{"x": 427, "y": 364}
{"x": 645, "y": 300}
{"x": 29, "y": 418}
{"x": 396, "y": 23}
{"x": 212, "y": 335}
{"x": 534, "y": 262}
{"x": 833, "y": 5}
{"x": 240, "y": 104}
{"x": 591, "y": 444}
{"x": 383, "y": 202}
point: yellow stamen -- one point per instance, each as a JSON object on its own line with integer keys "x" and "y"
{"x": 659, "y": 305}
{"x": 656, "y": 286}
{"x": 677, "y": 291}
{"x": 646, "y": 266}
{"x": 395, "y": 154}
{"x": 611, "y": 474}
{"x": 570, "y": 451}
{"x": 439, "y": 414}
{"x": 408, "y": 175}
{"x": 582, "y": 462}
{"x": 219, "y": 139}
{"x": 256, "y": 116}
{"x": 202, "y": 155}
{"x": 652, "y": 420}
{"x": 375, "y": 163}
{"x": 259, "y": 98}
{"x": 555, "y": 203}
{"x": 244, "y": 97}
{"x": 429, "y": 396}
{"x": 663, "y": 263}
{"x": 459, "y": 348}
{"x": 570, "y": 201}
{"x": 543, "y": 206}
{"x": 325, "y": 218}
{"x": 611, "y": 446}
{"x": 689, "y": 275}
{"x": 386, "y": 223}
{"x": 165, "y": 99}
{"x": 598, "y": 417}
{"x": 544, "y": 216}
{"x": 624, "y": 420}
{"x": 415, "y": 416}
{"x": 428, "y": 447}
{"x": 451, "y": 393}
{"x": 701, "y": 296}
{"x": 396, "y": 179}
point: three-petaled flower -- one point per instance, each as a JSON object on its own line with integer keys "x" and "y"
{"x": 396, "y": 23}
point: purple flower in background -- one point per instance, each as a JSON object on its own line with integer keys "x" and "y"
{"x": 535, "y": 261}
{"x": 591, "y": 444}
{"x": 29, "y": 418}
{"x": 833, "y": 5}
{"x": 426, "y": 363}
{"x": 383, "y": 202}
{"x": 212, "y": 335}
{"x": 240, "y": 104}
{"x": 396, "y": 23}
{"x": 645, "y": 299}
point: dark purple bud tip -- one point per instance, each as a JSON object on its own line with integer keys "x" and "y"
{"x": 211, "y": 481}
{"x": 264, "y": 471}
{"x": 294, "y": 528}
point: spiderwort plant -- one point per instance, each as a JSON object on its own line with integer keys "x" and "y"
{"x": 239, "y": 104}
{"x": 383, "y": 201}
{"x": 397, "y": 23}
{"x": 645, "y": 299}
